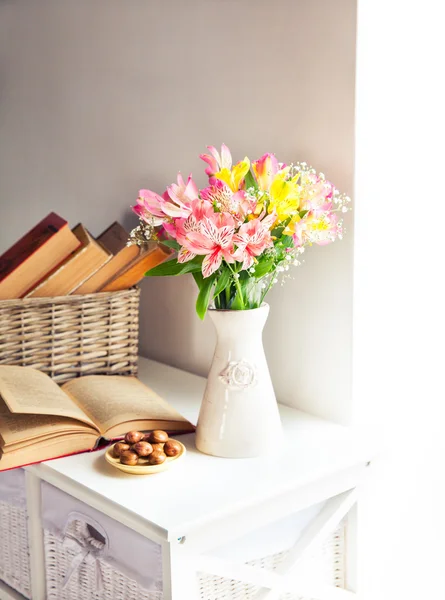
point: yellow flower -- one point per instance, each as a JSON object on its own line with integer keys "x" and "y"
{"x": 234, "y": 177}
{"x": 284, "y": 196}
{"x": 291, "y": 226}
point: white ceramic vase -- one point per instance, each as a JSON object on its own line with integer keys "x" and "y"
{"x": 239, "y": 415}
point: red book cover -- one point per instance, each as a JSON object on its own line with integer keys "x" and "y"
{"x": 37, "y": 254}
{"x": 25, "y": 247}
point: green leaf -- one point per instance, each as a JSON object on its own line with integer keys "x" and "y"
{"x": 205, "y": 292}
{"x": 287, "y": 241}
{"x": 171, "y": 244}
{"x": 277, "y": 231}
{"x": 172, "y": 267}
{"x": 303, "y": 213}
{"x": 222, "y": 282}
{"x": 250, "y": 181}
{"x": 197, "y": 276}
{"x": 263, "y": 267}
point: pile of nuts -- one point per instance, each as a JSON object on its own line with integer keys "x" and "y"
{"x": 153, "y": 448}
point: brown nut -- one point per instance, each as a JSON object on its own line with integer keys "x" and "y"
{"x": 158, "y": 436}
{"x": 158, "y": 447}
{"x": 120, "y": 447}
{"x": 133, "y": 437}
{"x": 172, "y": 448}
{"x": 128, "y": 457}
{"x": 156, "y": 458}
{"x": 142, "y": 448}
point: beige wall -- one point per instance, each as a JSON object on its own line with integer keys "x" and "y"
{"x": 101, "y": 97}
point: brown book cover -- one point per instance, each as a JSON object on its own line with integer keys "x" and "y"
{"x": 36, "y": 254}
{"x": 76, "y": 269}
{"x": 114, "y": 240}
{"x": 40, "y": 420}
{"x": 147, "y": 259}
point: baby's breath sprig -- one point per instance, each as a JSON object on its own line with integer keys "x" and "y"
{"x": 142, "y": 234}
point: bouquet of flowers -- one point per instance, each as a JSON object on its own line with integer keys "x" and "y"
{"x": 251, "y": 223}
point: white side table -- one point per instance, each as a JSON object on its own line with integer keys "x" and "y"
{"x": 206, "y": 502}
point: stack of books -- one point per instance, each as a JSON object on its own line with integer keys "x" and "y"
{"x": 54, "y": 260}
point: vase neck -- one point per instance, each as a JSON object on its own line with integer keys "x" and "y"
{"x": 236, "y": 323}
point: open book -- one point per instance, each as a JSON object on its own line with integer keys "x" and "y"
{"x": 40, "y": 420}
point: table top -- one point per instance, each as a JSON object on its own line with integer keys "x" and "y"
{"x": 202, "y": 488}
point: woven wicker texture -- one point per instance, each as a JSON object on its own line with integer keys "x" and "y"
{"x": 326, "y": 564}
{"x": 70, "y": 336}
{"x": 83, "y": 584}
{"x": 14, "y": 551}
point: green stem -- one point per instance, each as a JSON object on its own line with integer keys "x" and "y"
{"x": 227, "y": 292}
{"x": 268, "y": 288}
{"x": 237, "y": 285}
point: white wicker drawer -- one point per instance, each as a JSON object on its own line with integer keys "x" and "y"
{"x": 326, "y": 564}
{"x": 14, "y": 549}
{"x": 89, "y": 556}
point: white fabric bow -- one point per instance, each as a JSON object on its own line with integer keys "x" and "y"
{"x": 87, "y": 546}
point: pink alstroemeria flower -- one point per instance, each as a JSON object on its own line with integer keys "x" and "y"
{"x": 149, "y": 207}
{"x": 214, "y": 240}
{"x": 265, "y": 169}
{"x": 323, "y": 230}
{"x": 238, "y": 204}
{"x": 179, "y": 197}
{"x": 317, "y": 198}
{"x": 252, "y": 239}
{"x": 200, "y": 209}
{"x": 217, "y": 161}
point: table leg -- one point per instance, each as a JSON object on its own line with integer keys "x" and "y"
{"x": 35, "y": 536}
{"x": 179, "y": 573}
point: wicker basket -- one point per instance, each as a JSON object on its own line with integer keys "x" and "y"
{"x": 14, "y": 553}
{"x": 14, "y": 549}
{"x": 95, "y": 579}
{"x": 326, "y": 565}
{"x": 70, "y": 336}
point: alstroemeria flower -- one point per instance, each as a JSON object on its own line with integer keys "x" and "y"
{"x": 284, "y": 195}
{"x": 316, "y": 194}
{"x": 234, "y": 177}
{"x": 214, "y": 240}
{"x": 252, "y": 239}
{"x": 324, "y": 229}
{"x": 297, "y": 228}
{"x": 265, "y": 169}
{"x": 238, "y": 204}
{"x": 178, "y": 197}
{"x": 218, "y": 193}
{"x": 313, "y": 229}
{"x": 170, "y": 228}
{"x": 216, "y": 161}
{"x": 149, "y": 208}
{"x": 178, "y": 228}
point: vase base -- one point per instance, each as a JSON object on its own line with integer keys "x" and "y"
{"x": 239, "y": 449}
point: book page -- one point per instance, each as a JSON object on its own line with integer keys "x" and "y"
{"x": 110, "y": 400}
{"x": 16, "y": 428}
{"x": 47, "y": 449}
{"x": 28, "y": 391}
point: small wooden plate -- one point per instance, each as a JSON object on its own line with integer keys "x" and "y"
{"x": 143, "y": 468}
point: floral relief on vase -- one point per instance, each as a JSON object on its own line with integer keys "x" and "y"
{"x": 239, "y": 375}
